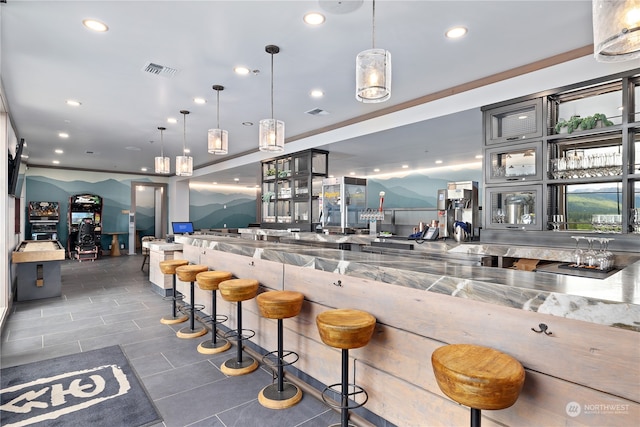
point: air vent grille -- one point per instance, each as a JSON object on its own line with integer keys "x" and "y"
{"x": 159, "y": 70}
{"x": 317, "y": 112}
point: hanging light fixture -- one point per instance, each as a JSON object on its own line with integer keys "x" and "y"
{"x": 271, "y": 130}
{"x": 218, "y": 139}
{"x": 163, "y": 164}
{"x": 184, "y": 163}
{"x": 373, "y": 71}
{"x": 616, "y": 30}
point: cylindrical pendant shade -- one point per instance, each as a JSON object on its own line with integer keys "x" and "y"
{"x": 217, "y": 141}
{"x": 271, "y": 135}
{"x": 373, "y": 76}
{"x": 616, "y": 30}
{"x": 184, "y": 165}
{"x": 163, "y": 165}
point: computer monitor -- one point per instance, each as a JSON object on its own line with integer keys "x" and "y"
{"x": 182, "y": 227}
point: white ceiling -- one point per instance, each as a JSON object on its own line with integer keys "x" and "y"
{"x": 47, "y": 57}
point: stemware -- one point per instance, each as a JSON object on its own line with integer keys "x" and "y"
{"x": 590, "y": 258}
{"x": 577, "y": 255}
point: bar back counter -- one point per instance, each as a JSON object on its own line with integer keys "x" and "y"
{"x": 577, "y": 338}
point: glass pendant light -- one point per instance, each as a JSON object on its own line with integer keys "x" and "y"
{"x": 271, "y": 130}
{"x": 184, "y": 163}
{"x": 373, "y": 71}
{"x": 163, "y": 164}
{"x": 616, "y": 30}
{"x": 218, "y": 139}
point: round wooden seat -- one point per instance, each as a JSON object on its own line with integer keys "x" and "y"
{"x": 209, "y": 280}
{"x": 345, "y": 328}
{"x": 188, "y": 273}
{"x": 478, "y": 377}
{"x": 235, "y": 290}
{"x": 280, "y": 304}
{"x": 169, "y": 266}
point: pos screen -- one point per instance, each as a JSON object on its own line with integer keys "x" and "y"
{"x": 182, "y": 227}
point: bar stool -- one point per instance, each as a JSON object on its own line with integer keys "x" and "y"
{"x": 477, "y": 377}
{"x": 188, "y": 273}
{"x": 169, "y": 267}
{"x": 280, "y": 305}
{"x": 238, "y": 290}
{"x": 209, "y": 281}
{"x": 345, "y": 329}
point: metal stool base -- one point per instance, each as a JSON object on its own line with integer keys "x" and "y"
{"x": 271, "y": 398}
{"x": 187, "y": 332}
{"x": 171, "y": 320}
{"x": 232, "y": 368}
{"x": 209, "y": 347}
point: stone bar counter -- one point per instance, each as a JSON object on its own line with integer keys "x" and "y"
{"x": 578, "y": 338}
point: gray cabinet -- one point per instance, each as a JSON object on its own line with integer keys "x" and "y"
{"x": 291, "y": 187}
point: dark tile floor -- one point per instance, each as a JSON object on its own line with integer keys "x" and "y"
{"x": 109, "y": 302}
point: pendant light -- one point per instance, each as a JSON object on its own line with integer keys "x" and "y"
{"x": 616, "y": 30}
{"x": 271, "y": 130}
{"x": 373, "y": 71}
{"x": 218, "y": 139}
{"x": 163, "y": 164}
{"x": 184, "y": 163}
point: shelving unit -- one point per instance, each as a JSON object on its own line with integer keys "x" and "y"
{"x": 553, "y": 168}
{"x": 291, "y": 187}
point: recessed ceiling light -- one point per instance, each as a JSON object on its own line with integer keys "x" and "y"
{"x": 243, "y": 71}
{"x": 313, "y": 18}
{"x": 376, "y": 170}
{"x": 455, "y": 32}
{"x": 63, "y": 135}
{"x": 95, "y": 25}
{"x": 352, "y": 173}
{"x": 405, "y": 166}
{"x": 200, "y": 101}
{"x": 56, "y": 162}
{"x": 478, "y": 156}
{"x": 236, "y": 179}
{"x": 522, "y": 117}
{"x": 73, "y": 103}
{"x": 172, "y": 120}
{"x": 187, "y": 150}
{"x": 317, "y": 93}
{"x": 215, "y": 183}
{"x": 143, "y": 169}
{"x": 438, "y": 162}
{"x": 58, "y": 151}
{"x": 247, "y": 123}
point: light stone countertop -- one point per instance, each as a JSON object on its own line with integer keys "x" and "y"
{"x": 613, "y": 300}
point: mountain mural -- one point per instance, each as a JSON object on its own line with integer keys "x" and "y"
{"x": 238, "y": 214}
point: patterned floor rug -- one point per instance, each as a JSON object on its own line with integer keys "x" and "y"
{"x": 94, "y": 388}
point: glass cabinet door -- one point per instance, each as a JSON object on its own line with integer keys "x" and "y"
{"x": 514, "y": 207}
{"x": 516, "y": 122}
{"x": 522, "y": 162}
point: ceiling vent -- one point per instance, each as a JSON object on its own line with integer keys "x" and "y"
{"x": 317, "y": 112}
{"x": 159, "y": 70}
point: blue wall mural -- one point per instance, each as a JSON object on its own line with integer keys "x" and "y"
{"x": 419, "y": 189}
{"x": 218, "y": 207}
{"x": 53, "y": 185}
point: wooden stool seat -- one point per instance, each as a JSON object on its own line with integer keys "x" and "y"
{"x": 169, "y": 266}
{"x": 188, "y": 273}
{"x": 280, "y": 304}
{"x": 236, "y": 290}
{"x": 209, "y": 280}
{"x": 345, "y": 328}
{"x": 478, "y": 377}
